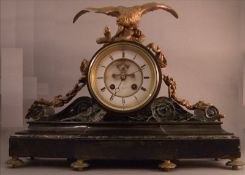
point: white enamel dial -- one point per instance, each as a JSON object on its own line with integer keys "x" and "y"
{"x": 123, "y": 77}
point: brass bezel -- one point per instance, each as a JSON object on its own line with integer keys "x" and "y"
{"x": 124, "y": 45}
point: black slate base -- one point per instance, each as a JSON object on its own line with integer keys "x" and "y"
{"x": 125, "y": 141}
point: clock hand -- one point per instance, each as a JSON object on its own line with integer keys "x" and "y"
{"x": 131, "y": 75}
{"x": 118, "y": 88}
{"x": 135, "y": 71}
{"x": 117, "y": 75}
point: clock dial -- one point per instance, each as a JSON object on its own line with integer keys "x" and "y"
{"x": 123, "y": 77}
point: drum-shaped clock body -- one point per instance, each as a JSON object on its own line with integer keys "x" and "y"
{"x": 124, "y": 77}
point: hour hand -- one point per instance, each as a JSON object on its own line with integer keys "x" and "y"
{"x": 132, "y": 75}
{"x": 116, "y": 75}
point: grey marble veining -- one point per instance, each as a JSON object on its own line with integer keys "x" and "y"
{"x": 60, "y": 166}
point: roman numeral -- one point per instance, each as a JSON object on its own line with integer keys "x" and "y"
{"x": 142, "y": 67}
{"x": 135, "y": 98}
{"x": 146, "y": 77}
{"x": 143, "y": 89}
{"x": 99, "y": 78}
{"x": 123, "y": 54}
{"x": 135, "y": 57}
{"x": 102, "y": 89}
{"x": 111, "y": 58}
{"x": 102, "y": 66}
{"x": 123, "y": 101}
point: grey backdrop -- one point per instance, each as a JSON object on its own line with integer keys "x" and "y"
{"x": 204, "y": 47}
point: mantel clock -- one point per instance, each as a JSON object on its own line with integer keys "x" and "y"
{"x": 124, "y": 117}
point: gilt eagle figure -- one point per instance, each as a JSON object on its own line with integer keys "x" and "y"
{"x": 127, "y": 17}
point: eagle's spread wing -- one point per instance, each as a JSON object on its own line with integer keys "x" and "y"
{"x": 111, "y": 11}
{"x": 155, "y": 6}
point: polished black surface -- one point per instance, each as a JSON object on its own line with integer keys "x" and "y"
{"x": 126, "y": 141}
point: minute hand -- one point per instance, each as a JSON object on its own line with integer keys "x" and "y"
{"x": 136, "y": 71}
{"x": 118, "y": 88}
